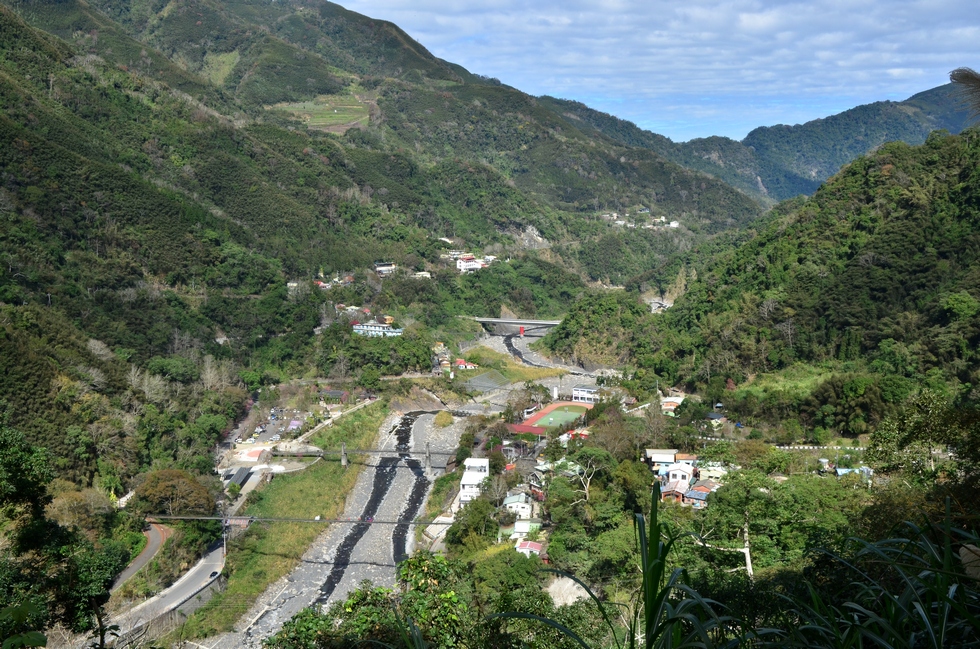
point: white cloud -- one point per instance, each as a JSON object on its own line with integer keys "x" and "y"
{"x": 700, "y": 67}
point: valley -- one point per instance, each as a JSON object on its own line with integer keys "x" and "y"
{"x": 237, "y": 237}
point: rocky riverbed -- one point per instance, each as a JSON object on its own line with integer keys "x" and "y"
{"x": 392, "y": 486}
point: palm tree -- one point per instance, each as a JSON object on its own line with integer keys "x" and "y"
{"x": 967, "y": 81}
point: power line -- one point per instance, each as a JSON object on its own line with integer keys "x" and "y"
{"x": 264, "y": 519}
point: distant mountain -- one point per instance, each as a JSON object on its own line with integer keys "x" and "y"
{"x": 779, "y": 162}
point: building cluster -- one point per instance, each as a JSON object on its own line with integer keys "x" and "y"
{"x": 467, "y": 262}
{"x": 380, "y": 327}
{"x": 624, "y": 221}
{"x": 519, "y": 501}
{"x": 442, "y": 360}
{"x": 346, "y": 280}
{"x": 682, "y": 478}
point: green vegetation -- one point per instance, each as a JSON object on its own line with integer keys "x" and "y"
{"x": 747, "y": 571}
{"x": 165, "y": 238}
{"x": 443, "y": 419}
{"x": 513, "y": 370}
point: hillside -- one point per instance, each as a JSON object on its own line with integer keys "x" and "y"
{"x": 779, "y": 162}
{"x": 874, "y": 279}
{"x": 153, "y": 209}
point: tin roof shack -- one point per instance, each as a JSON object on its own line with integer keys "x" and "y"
{"x": 696, "y": 499}
{"x": 674, "y": 491}
{"x": 527, "y": 548}
{"x": 669, "y": 404}
{"x": 523, "y": 527}
{"x": 716, "y": 419}
{"x": 712, "y": 471}
{"x": 334, "y": 396}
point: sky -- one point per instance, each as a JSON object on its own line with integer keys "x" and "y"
{"x": 694, "y": 68}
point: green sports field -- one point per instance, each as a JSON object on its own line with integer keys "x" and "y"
{"x": 558, "y": 417}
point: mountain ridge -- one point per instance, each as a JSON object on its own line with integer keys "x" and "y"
{"x": 781, "y": 161}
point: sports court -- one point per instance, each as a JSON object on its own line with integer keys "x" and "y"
{"x": 558, "y": 414}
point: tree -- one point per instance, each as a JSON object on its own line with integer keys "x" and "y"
{"x": 495, "y": 488}
{"x": 370, "y": 378}
{"x": 25, "y": 472}
{"x": 967, "y": 82}
{"x": 474, "y": 526}
{"x": 172, "y": 492}
{"x": 744, "y": 501}
{"x": 61, "y": 575}
{"x": 928, "y": 421}
{"x": 595, "y": 464}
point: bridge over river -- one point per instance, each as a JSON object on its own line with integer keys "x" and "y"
{"x": 514, "y": 325}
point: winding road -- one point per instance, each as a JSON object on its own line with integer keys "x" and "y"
{"x": 156, "y": 536}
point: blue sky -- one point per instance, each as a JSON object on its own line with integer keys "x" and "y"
{"x": 694, "y": 68}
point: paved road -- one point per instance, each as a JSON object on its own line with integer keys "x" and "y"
{"x": 194, "y": 580}
{"x": 155, "y": 537}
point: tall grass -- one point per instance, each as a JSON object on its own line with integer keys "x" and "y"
{"x": 910, "y": 592}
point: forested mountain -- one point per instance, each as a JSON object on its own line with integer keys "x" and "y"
{"x": 155, "y": 204}
{"x": 780, "y": 162}
{"x": 859, "y": 295}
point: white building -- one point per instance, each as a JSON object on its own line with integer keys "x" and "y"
{"x": 468, "y": 263}
{"x": 475, "y": 471}
{"x": 376, "y": 330}
{"x": 669, "y": 404}
{"x": 519, "y": 504}
{"x": 658, "y": 457}
{"x": 527, "y": 548}
{"x": 384, "y": 268}
{"x": 585, "y": 394}
{"x": 679, "y": 473}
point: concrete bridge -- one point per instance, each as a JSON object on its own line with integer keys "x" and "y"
{"x": 513, "y": 325}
